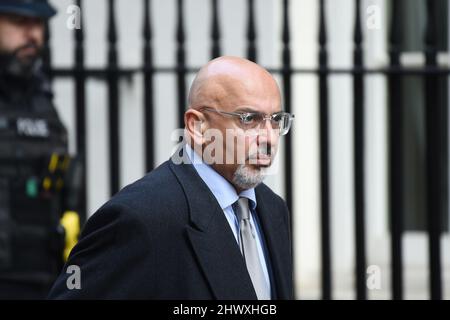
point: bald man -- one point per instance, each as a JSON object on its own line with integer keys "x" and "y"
{"x": 202, "y": 225}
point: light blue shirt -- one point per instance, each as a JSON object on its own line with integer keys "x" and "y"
{"x": 226, "y": 196}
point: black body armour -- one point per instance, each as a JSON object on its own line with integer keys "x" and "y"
{"x": 33, "y": 149}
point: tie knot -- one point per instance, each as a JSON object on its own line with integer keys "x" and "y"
{"x": 241, "y": 209}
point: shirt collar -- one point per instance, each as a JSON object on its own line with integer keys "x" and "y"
{"x": 222, "y": 190}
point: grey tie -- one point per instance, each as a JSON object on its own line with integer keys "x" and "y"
{"x": 249, "y": 249}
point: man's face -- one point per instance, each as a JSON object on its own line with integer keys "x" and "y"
{"x": 251, "y": 147}
{"x": 21, "y": 35}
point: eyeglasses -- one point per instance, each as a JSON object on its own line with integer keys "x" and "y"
{"x": 281, "y": 121}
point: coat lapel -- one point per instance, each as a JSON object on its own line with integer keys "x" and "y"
{"x": 278, "y": 244}
{"x": 212, "y": 240}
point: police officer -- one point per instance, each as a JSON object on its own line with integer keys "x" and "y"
{"x": 34, "y": 164}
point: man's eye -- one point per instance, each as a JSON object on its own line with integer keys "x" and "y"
{"x": 249, "y": 118}
{"x": 277, "y": 117}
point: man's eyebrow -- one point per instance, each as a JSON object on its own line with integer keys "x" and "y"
{"x": 249, "y": 109}
{"x": 246, "y": 109}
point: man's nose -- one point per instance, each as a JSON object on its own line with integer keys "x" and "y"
{"x": 267, "y": 135}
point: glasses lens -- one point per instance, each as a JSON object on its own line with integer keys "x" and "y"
{"x": 251, "y": 120}
{"x": 280, "y": 121}
{"x": 277, "y": 120}
{"x": 285, "y": 124}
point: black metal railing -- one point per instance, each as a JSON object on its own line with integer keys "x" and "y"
{"x": 434, "y": 164}
{"x": 358, "y": 123}
{"x": 395, "y": 103}
{"x": 325, "y": 232}
{"x": 436, "y": 136}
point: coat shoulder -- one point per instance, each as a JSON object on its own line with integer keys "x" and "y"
{"x": 155, "y": 195}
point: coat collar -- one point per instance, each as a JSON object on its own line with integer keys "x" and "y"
{"x": 278, "y": 242}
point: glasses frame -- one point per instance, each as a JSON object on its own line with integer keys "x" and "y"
{"x": 265, "y": 117}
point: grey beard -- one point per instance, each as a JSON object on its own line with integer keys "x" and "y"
{"x": 247, "y": 178}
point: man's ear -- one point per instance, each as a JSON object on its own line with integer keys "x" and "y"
{"x": 194, "y": 122}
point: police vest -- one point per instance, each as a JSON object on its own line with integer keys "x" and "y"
{"x": 32, "y": 144}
